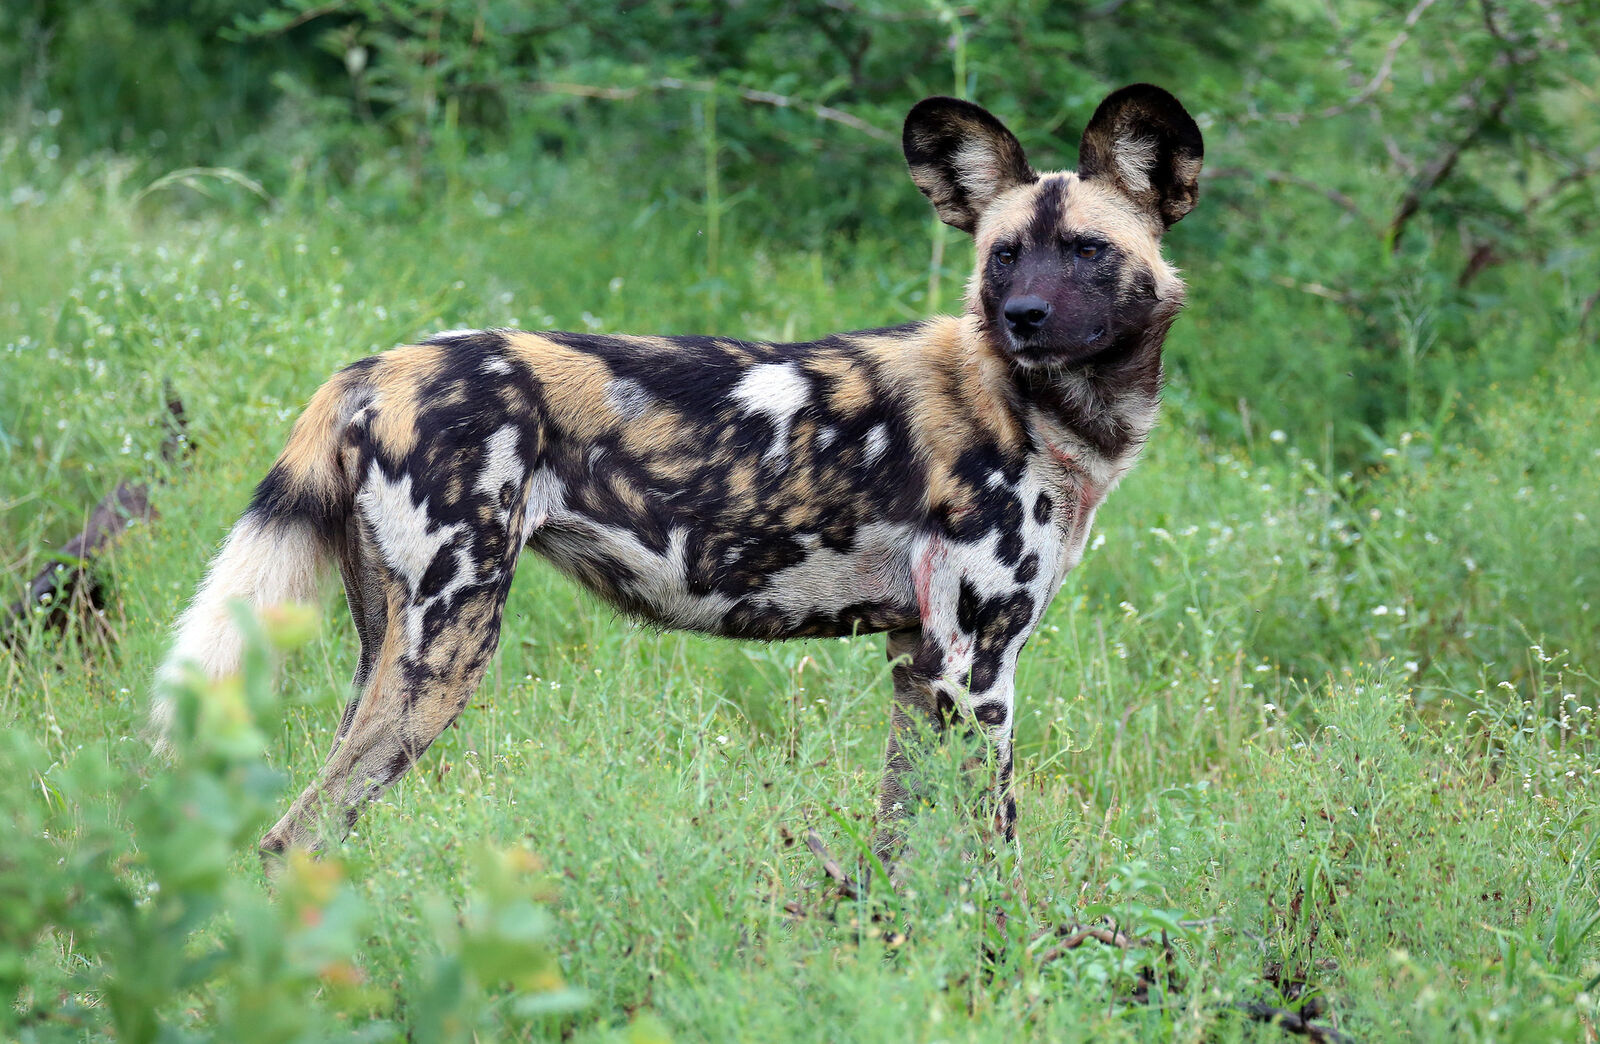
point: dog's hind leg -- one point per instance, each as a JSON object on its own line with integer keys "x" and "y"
{"x": 915, "y": 714}
{"x": 369, "y": 609}
{"x": 426, "y": 642}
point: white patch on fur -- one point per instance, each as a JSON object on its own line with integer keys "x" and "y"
{"x": 260, "y": 565}
{"x": 497, "y": 365}
{"x": 977, "y": 167}
{"x": 777, "y": 391}
{"x": 454, "y": 333}
{"x": 502, "y": 464}
{"x": 826, "y": 436}
{"x": 403, "y": 529}
{"x": 663, "y": 580}
{"x": 1135, "y": 157}
{"x": 875, "y": 569}
{"x": 659, "y": 580}
{"x": 629, "y": 398}
{"x": 547, "y": 496}
{"x": 410, "y": 540}
{"x": 877, "y": 442}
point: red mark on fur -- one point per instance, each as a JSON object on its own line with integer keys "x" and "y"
{"x": 922, "y": 573}
{"x": 1088, "y": 495}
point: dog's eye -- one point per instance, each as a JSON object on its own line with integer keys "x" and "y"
{"x": 1004, "y": 256}
{"x": 1088, "y": 251}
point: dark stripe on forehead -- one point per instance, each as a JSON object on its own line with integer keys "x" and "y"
{"x": 1048, "y": 208}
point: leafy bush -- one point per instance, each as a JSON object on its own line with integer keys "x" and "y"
{"x": 132, "y": 870}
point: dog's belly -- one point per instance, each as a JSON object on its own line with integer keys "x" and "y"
{"x": 740, "y": 584}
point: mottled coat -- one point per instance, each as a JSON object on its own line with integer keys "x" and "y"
{"x": 934, "y": 481}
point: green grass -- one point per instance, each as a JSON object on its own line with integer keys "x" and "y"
{"x": 1337, "y": 724}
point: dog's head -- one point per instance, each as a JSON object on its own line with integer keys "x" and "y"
{"x": 1069, "y": 263}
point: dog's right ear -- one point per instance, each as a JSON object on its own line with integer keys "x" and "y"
{"x": 961, "y": 158}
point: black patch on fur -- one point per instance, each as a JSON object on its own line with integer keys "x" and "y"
{"x": 928, "y": 659}
{"x": 1027, "y": 569}
{"x": 991, "y": 713}
{"x": 967, "y": 603}
{"x": 439, "y": 572}
{"x": 938, "y": 134}
{"x": 1147, "y": 114}
{"x": 999, "y": 620}
{"x": 1043, "y": 508}
{"x": 1043, "y": 230}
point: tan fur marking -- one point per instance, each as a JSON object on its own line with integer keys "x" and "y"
{"x": 742, "y": 482}
{"x": 957, "y": 394}
{"x": 397, "y": 382}
{"x": 306, "y": 457}
{"x": 626, "y": 492}
{"x": 575, "y": 385}
{"x": 851, "y": 391}
{"x": 658, "y": 433}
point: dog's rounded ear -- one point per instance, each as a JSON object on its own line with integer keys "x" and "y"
{"x": 961, "y": 158}
{"x": 1143, "y": 141}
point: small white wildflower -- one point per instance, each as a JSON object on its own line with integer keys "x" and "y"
{"x": 1277, "y": 435}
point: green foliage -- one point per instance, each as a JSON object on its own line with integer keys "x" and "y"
{"x": 1180, "y": 771}
{"x": 1381, "y": 178}
{"x": 1319, "y": 706}
{"x": 125, "y": 912}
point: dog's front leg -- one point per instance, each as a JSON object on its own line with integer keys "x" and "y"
{"x": 943, "y": 678}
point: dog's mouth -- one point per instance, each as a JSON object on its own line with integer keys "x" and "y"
{"x": 1036, "y": 351}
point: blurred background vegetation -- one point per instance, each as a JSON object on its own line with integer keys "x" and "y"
{"x": 1400, "y": 201}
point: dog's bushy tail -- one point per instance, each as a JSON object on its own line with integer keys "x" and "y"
{"x": 279, "y": 552}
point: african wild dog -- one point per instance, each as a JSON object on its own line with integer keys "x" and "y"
{"x": 934, "y": 481}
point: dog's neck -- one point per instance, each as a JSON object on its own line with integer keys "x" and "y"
{"x": 1093, "y": 417}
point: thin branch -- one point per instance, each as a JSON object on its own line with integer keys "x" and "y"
{"x": 67, "y": 583}
{"x": 1071, "y": 940}
{"x": 1317, "y": 290}
{"x": 1440, "y": 169}
{"x": 1379, "y": 78}
{"x": 830, "y": 865}
{"x": 1279, "y": 177}
{"x": 308, "y": 15}
{"x": 1588, "y": 309}
{"x": 1588, "y": 168}
{"x": 897, "y": 16}
{"x": 1406, "y": 164}
{"x": 1486, "y": 255}
{"x": 749, "y": 94}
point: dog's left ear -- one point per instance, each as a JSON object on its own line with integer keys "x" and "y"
{"x": 1142, "y": 141}
{"x": 961, "y": 158}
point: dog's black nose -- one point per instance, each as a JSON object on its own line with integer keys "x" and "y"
{"x": 1026, "y": 314}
